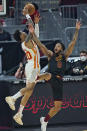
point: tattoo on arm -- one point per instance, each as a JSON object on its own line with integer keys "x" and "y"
{"x": 29, "y": 37}
{"x": 36, "y": 40}
{"x": 72, "y": 44}
{"x": 75, "y": 35}
{"x": 42, "y": 47}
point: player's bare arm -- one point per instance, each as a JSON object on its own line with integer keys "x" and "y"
{"x": 70, "y": 48}
{"x": 43, "y": 48}
{"x": 29, "y": 44}
{"x": 37, "y": 41}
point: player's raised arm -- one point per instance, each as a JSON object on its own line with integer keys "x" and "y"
{"x": 36, "y": 21}
{"x": 43, "y": 48}
{"x": 70, "y": 48}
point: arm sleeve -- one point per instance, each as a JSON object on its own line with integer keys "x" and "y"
{"x": 37, "y": 30}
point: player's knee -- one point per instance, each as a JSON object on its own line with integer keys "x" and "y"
{"x": 28, "y": 88}
{"x": 58, "y": 105}
{"x": 48, "y": 76}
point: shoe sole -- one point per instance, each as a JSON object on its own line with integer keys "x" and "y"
{"x": 7, "y": 101}
{"x": 14, "y": 118}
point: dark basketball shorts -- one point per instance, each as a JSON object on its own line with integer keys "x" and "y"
{"x": 57, "y": 88}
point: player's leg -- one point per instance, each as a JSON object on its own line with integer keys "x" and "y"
{"x": 31, "y": 75}
{"x": 29, "y": 90}
{"x": 12, "y": 99}
{"x": 28, "y": 93}
{"x": 45, "y": 76}
{"x": 52, "y": 112}
{"x": 57, "y": 89}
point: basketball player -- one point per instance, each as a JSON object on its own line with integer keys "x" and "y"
{"x": 57, "y": 63}
{"x": 32, "y": 70}
{"x": 35, "y": 19}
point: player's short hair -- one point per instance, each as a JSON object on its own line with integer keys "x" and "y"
{"x": 83, "y": 51}
{"x": 17, "y": 35}
{"x": 59, "y": 41}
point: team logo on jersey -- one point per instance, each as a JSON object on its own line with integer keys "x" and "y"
{"x": 59, "y": 64}
{"x": 59, "y": 58}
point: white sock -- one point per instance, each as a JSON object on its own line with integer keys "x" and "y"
{"x": 21, "y": 108}
{"x": 17, "y": 95}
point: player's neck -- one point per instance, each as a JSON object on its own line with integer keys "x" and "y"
{"x": 58, "y": 53}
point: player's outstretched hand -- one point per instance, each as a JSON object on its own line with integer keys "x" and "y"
{"x": 78, "y": 25}
{"x": 36, "y": 19}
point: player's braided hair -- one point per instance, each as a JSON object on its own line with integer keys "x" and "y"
{"x": 17, "y": 36}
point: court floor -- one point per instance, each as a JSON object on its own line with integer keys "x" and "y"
{"x": 64, "y": 128}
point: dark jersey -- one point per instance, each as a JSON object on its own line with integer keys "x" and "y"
{"x": 57, "y": 65}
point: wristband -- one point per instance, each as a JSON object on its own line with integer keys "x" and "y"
{"x": 28, "y": 16}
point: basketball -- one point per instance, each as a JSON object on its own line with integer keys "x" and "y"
{"x": 31, "y": 8}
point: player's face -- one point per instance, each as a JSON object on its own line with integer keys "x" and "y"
{"x": 23, "y": 36}
{"x": 25, "y": 7}
{"x": 25, "y": 10}
{"x": 57, "y": 48}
